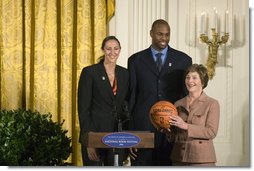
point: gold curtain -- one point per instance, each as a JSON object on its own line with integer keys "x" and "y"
{"x": 44, "y": 44}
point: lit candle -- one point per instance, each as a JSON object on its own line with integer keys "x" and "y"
{"x": 233, "y": 27}
{"x": 226, "y": 22}
{"x": 215, "y": 19}
{"x": 202, "y": 22}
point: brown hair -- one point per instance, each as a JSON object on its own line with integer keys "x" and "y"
{"x": 202, "y": 72}
{"x": 107, "y": 39}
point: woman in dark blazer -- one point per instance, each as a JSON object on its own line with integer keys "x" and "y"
{"x": 196, "y": 124}
{"x": 102, "y": 92}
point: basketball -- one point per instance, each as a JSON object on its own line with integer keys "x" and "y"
{"x": 159, "y": 114}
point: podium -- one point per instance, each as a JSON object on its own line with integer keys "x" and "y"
{"x": 123, "y": 139}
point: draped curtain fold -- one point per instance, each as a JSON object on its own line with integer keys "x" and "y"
{"x": 44, "y": 44}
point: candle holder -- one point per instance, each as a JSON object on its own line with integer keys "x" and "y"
{"x": 213, "y": 46}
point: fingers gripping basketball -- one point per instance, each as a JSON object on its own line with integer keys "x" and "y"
{"x": 160, "y": 112}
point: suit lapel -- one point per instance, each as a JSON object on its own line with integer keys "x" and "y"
{"x": 107, "y": 89}
{"x": 148, "y": 60}
{"x": 195, "y": 107}
{"x": 168, "y": 61}
{"x": 121, "y": 81}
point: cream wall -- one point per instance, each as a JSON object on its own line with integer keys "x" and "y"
{"x": 131, "y": 24}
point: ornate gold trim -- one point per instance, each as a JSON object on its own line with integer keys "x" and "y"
{"x": 213, "y": 46}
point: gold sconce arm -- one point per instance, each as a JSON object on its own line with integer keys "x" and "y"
{"x": 213, "y": 46}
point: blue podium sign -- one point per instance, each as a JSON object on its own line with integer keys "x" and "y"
{"x": 121, "y": 140}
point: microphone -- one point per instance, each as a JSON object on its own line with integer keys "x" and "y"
{"x": 121, "y": 116}
{"x": 125, "y": 116}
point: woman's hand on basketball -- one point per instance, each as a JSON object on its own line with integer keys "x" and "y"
{"x": 133, "y": 153}
{"x": 178, "y": 122}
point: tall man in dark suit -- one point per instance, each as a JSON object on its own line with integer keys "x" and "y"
{"x": 153, "y": 79}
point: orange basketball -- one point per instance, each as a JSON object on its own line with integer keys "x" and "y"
{"x": 159, "y": 114}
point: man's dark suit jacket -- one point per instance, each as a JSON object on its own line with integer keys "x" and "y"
{"x": 97, "y": 105}
{"x": 148, "y": 86}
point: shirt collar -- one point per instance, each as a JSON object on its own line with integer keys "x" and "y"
{"x": 154, "y": 52}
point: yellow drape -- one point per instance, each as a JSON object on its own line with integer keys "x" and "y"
{"x": 44, "y": 44}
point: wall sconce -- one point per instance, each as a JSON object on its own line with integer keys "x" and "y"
{"x": 214, "y": 43}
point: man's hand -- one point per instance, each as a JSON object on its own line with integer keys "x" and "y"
{"x": 165, "y": 131}
{"x": 133, "y": 153}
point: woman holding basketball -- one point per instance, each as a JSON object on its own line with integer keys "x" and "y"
{"x": 197, "y": 122}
